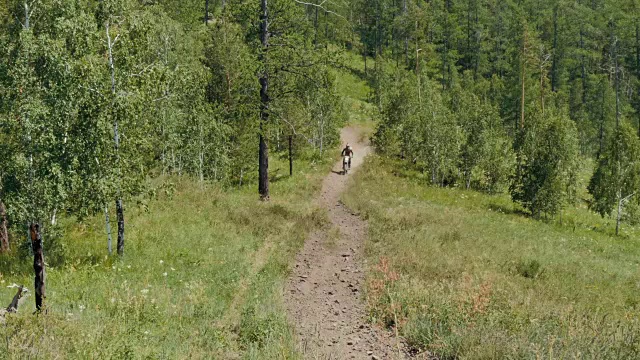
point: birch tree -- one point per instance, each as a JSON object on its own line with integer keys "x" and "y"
{"x": 616, "y": 180}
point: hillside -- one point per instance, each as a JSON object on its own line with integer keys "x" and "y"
{"x": 172, "y": 182}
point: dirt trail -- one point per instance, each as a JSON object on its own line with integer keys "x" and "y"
{"x": 323, "y": 294}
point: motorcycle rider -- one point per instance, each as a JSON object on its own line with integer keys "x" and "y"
{"x": 348, "y": 151}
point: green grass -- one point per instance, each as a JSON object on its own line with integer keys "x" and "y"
{"x": 201, "y": 278}
{"x": 470, "y": 277}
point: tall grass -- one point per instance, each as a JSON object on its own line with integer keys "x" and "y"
{"x": 476, "y": 279}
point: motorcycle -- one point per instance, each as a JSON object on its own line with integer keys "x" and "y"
{"x": 345, "y": 165}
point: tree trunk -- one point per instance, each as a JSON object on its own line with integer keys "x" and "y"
{"x": 619, "y": 215}
{"x": 326, "y": 29}
{"x": 315, "y": 27}
{"x": 290, "y": 155}
{"x": 108, "y": 227}
{"x": 617, "y": 82}
{"x": 542, "y": 89}
{"x": 524, "y": 74}
{"x": 206, "y": 12}
{"x": 38, "y": 266}
{"x": 406, "y": 35}
{"x": 554, "y": 65}
{"x": 602, "y": 119}
{"x": 27, "y": 15}
{"x": 638, "y": 73}
{"x": 4, "y": 234}
{"x": 478, "y": 45}
{"x": 364, "y": 55}
{"x": 116, "y": 142}
{"x": 263, "y": 166}
{"x": 583, "y": 69}
{"x": 120, "y": 215}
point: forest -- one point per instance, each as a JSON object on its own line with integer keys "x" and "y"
{"x": 101, "y": 101}
{"x": 513, "y": 95}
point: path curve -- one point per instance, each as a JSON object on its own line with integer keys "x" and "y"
{"x": 323, "y": 293}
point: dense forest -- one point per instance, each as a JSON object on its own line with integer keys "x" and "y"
{"x": 512, "y": 95}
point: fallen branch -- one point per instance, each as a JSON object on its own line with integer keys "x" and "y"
{"x": 18, "y": 300}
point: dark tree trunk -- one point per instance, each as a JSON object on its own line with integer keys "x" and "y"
{"x": 364, "y": 55}
{"x": 326, "y": 29}
{"x": 120, "y": 215}
{"x": 116, "y": 145}
{"x": 602, "y": 119}
{"x": 554, "y": 65}
{"x": 290, "y": 155}
{"x": 107, "y": 223}
{"x": 476, "y": 65}
{"x": 638, "y": 73}
{"x": 315, "y": 27}
{"x": 406, "y": 36}
{"x": 4, "y": 234}
{"x": 617, "y": 83}
{"x": 524, "y": 73}
{"x": 38, "y": 266}
{"x": 263, "y": 166}
{"x": 206, "y": 12}
{"x": 583, "y": 69}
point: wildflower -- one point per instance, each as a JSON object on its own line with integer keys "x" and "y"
{"x": 172, "y": 269}
{"x": 146, "y": 332}
{"x": 164, "y": 274}
{"x": 81, "y": 307}
{"x": 113, "y": 300}
{"x": 128, "y": 266}
{"x": 144, "y": 291}
{"x": 161, "y": 262}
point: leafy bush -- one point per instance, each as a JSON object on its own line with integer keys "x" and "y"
{"x": 530, "y": 269}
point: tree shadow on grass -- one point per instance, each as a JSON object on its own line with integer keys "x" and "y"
{"x": 508, "y": 210}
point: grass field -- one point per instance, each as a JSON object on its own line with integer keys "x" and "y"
{"x": 466, "y": 276}
{"x": 201, "y": 278}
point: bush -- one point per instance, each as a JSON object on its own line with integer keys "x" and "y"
{"x": 529, "y": 269}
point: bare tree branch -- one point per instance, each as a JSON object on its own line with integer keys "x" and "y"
{"x": 321, "y": 6}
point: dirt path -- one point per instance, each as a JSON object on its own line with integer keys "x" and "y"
{"x": 323, "y": 294}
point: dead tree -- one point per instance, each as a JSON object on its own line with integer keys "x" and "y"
{"x": 4, "y": 234}
{"x": 17, "y": 301}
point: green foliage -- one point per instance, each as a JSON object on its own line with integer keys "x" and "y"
{"x": 486, "y": 156}
{"x": 617, "y": 177}
{"x": 545, "y": 178}
{"x": 530, "y": 269}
